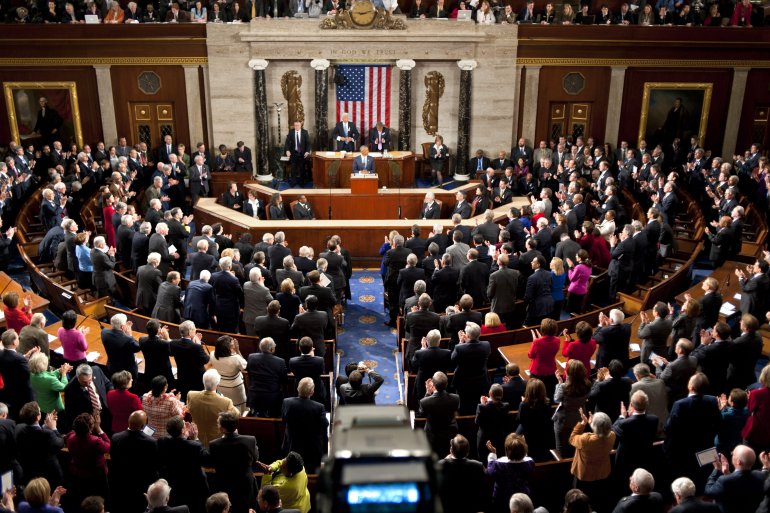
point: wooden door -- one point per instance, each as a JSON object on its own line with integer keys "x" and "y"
{"x": 151, "y": 122}
{"x": 760, "y": 127}
{"x": 569, "y": 119}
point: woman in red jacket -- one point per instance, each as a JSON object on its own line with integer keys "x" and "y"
{"x": 121, "y": 402}
{"x": 16, "y": 318}
{"x": 87, "y": 445}
{"x": 591, "y": 240}
{"x": 107, "y": 211}
{"x": 581, "y": 349}
{"x": 756, "y": 431}
{"x": 542, "y": 352}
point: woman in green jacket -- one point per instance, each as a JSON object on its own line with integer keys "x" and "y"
{"x": 288, "y": 475}
{"x": 48, "y": 385}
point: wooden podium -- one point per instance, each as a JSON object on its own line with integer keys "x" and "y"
{"x": 364, "y": 184}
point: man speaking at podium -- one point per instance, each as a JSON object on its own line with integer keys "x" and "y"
{"x": 363, "y": 163}
{"x": 345, "y": 134}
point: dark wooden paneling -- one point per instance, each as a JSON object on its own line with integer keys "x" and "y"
{"x": 634, "y": 88}
{"x": 757, "y": 91}
{"x": 125, "y": 88}
{"x": 635, "y": 42}
{"x": 85, "y": 80}
{"x": 104, "y": 41}
{"x": 597, "y": 85}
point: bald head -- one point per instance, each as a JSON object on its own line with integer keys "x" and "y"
{"x": 137, "y": 420}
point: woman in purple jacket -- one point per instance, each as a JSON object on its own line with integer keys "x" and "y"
{"x": 578, "y": 281}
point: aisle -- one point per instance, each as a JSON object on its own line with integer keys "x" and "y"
{"x": 365, "y": 337}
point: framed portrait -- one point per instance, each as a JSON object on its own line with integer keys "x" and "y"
{"x": 42, "y": 112}
{"x": 671, "y": 110}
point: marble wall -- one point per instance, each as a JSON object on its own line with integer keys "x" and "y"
{"x": 433, "y": 45}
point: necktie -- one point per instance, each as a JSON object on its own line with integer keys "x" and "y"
{"x": 379, "y": 140}
{"x": 345, "y": 128}
{"x": 253, "y": 9}
{"x": 296, "y": 143}
{"x": 478, "y": 167}
{"x": 300, "y": 5}
{"x": 168, "y": 149}
{"x": 364, "y": 159}
{"x": 44, "y": 112}
{"x": 95, "y": 404}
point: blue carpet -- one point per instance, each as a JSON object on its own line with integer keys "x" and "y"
{"x": 365, "y": 337}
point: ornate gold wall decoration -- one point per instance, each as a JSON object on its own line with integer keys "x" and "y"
{"x": 21, "y": 100}
{"x": 363, "y": 15}
{"x": 434, "y": 89}
{"x": 291, "y": 82}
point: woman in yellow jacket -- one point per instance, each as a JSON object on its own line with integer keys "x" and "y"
{"x": 591, "y": 465}
{"x": 288, "y": 475}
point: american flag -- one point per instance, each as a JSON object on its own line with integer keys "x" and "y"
{"x": 365, "y": 96}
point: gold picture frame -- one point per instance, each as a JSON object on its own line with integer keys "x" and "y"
{"x": 659, "y": 125}
{"x": 21, "y": 100}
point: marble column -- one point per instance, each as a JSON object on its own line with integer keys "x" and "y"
{"x": 106, "y": 104}
{"x": 261, "y": 129}
{"x": 405, "y": 67}
{"x": 615, "y": 105}
{"x": 194, "y": 114}
{"x": 321, "y": 67}
{"x": 464, "y": 118}
{"x": 734, "y": 109}
{"x": 516, "y": 113}
{"x": 529, "y": 115}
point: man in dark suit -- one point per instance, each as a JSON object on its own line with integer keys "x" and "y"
{"x": 428, "y": 360}
{"x": 120, "y": 346}
{"x": 478, "y": 164}
{"x": 364, "y": 163}
{"x": 166, "y": 149}
{"x": 48, "y": 122}
{"x": 13, "y": 367}
{"x": 474, "y": 278}
{"x": 201, "y": 260}
{"x": 636, "y": 430}
{"x": 8, "y": 450}
{"x": 199, "y": 301}
{"x": 345, "y": 134}
{"x": 610, "y": 388}
{"x": 440, "y": 410}
{"x": 269, "y": 499}
{"x": 297, "y": 148}
{"x": 147, "y": 282}
{"x": 274, "y": 327}
{"x": 267, "y": 375}
{"x": 470, "y": 359}
{"x": 677, "y": 374}
{"x": 416, "y": 244}
{"x": 190, "y": 359}
{"x": 513, "y": 384}
{"x": 419, "y": 323}
{"x": 741, "y": 490}
{"x": 312, "y": 323}
{"x": 379, "y": 137}
{"x": 431, "y": 209}
{"x": 444, "y": 281}
{"x": 642, "y": 499}
{"x": 325, "y": 295}
{"x": 228, "y": 295}
{"x": 489, "y": 230}
{"x": 501, "y": 162}
{"x": 395, "y": 260}
{"x": 336, "y": 267}
{"x": 686, "y": 501}
{"x": 159, "y": 245}
{"x": 654, "y": 335}
{"x": 158, "y": 495}
{"x": 462, "y": 487}
{"x": 181, "y": 460}
{"x": 621, "y": 265}
{"x": 38, "y": 448}
{"x": 87, "y": 390}
{"x": 103, "y": 259}
{"x": 306, "y": 425}
{"x": 307, "y": 365}
{"x": 355, "y": 391}
{"x": 462, "y": 207}
{"x": 277, "y": 252}
{"x": 134, "y": 458}
{"x": 407, "y": 278}
{"x": 233, "y": 457}
{"x": 754, "y": 289}
{"x": 199, "y": 178}
{"x": 691, "y": 428}
{"x": 612, "y": 338}
{"x": 125, "y": 240}
{"x": 302, "y": 211}
{"x": 537, "y": 295}
{"x": 242, "y": 156}
{"x": 713, "y": 355}
{"x": 522, "y": 151}
{"x": 459, "y": 320}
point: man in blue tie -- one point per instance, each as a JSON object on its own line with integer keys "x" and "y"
{"x": 345, "y": 134}
{"x": 363, "y": 163}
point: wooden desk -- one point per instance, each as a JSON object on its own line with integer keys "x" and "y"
{"x": 397, "y": 170}
{"x": 728, "y": 286}
{"x": 364, "y": 184}
{"x": 220, "y": 179}
{"x": 8, "y": 284}
{"x": 362, "y": 238}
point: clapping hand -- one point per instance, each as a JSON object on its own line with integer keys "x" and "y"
{"x": 558, "y": 375}
{"x": 56, "y": 495}
{"x": 623, "y": 411}
{"x": 586, "y": 420}
{"x": 491, "y": 448}
{"x": 50, "y": 420}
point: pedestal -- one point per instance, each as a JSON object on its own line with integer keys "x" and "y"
{"x": 364, "y": 184}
